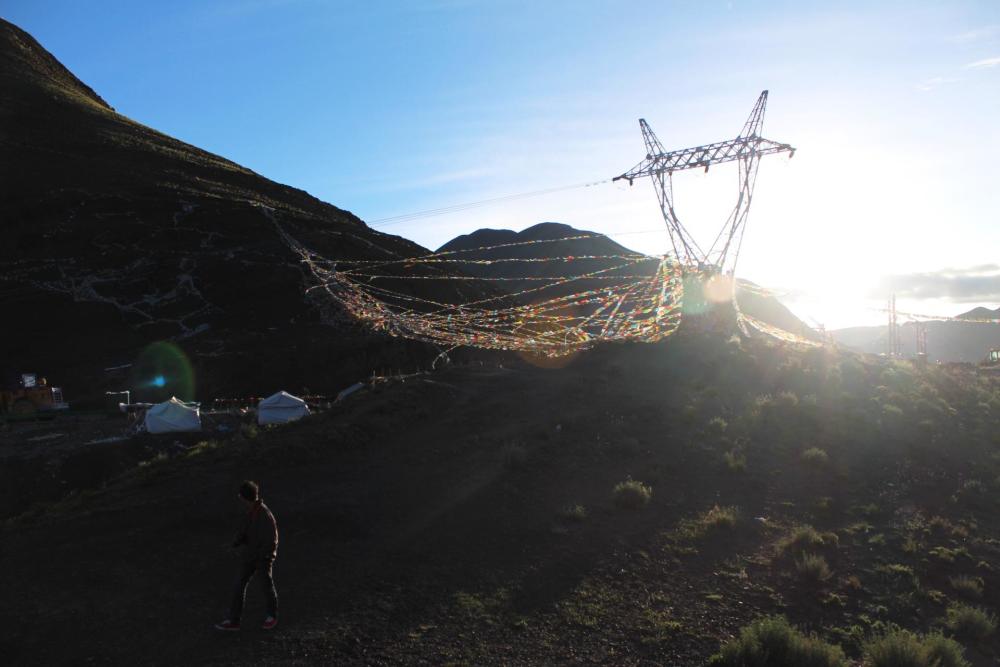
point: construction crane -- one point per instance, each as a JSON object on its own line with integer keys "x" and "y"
{"x": 747, "y": 149}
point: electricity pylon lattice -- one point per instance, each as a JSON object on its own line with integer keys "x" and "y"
{"x": 747, "y": 148}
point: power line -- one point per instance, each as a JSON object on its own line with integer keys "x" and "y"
{"x": 406, "y": 217}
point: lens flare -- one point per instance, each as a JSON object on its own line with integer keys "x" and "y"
{"x": 161, "y": 371}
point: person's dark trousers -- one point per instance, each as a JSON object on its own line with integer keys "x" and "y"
{"x": 247, "y": 570}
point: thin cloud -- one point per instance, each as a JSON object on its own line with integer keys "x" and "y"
{"x": 976, "y": 34}
{"x": 934, "y": 82}
{"x": 976, "y": 284}
{"x": 986, "y": 62}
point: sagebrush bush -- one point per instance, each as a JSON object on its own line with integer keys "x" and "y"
{"x": 632, "y": 494}
{"x": 943, "y": 652}
{"x": 812, "y": 568}
{"x": 772, "y": 642}
{"x": 574, "y": 513}
{"x": 815, "y": 456}
{"x": 972, "y": 622}
{"x": 720, "y": 518}
{"x": 736, "y": 461}
{"x": 799, "y": 539}
{"x": 901, "y": 648}
{"x": 968, "y": 586}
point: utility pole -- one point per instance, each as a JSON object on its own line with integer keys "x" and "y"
{"x": 893, "y": 350}
{"x": 921, "y": 343}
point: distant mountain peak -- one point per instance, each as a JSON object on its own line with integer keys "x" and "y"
{"x": 23, "y": 56}
{"x": 980, "y": 313}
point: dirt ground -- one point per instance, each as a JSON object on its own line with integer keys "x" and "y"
{"x": 432, "y": 522}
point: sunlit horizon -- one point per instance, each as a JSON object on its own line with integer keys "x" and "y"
{"x": 892, "y": 110}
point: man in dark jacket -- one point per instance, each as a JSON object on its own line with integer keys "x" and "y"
{"x": 258, "y": 535}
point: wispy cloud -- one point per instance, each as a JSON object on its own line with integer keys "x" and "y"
{"x": 934, "y": 82}
{"x": 976, "y": 34}
{"x": 974, "y": 284}
{"x": 985, "y": 62}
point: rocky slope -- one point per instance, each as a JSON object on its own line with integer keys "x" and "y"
{"x": 116, "y": 236}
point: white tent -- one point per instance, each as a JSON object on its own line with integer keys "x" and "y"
{"x": 281, "y": 408}
{"x": 172, "y": 416}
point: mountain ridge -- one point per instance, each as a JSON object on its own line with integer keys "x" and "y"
{"x": 118, "y": 236}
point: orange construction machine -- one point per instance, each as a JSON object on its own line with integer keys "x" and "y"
{"x": 30, "y": 396}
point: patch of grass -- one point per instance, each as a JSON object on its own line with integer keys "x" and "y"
{"x": 895, "y": 569}
{"x": 901, "y": 648}
{"x": 801, "y": 538}
{"x": 859, "y": 527}
{"x": 717, "y": 425}
{"x": 720, "y": 518}
{"x": 249, "y": 431}
{"x": 946, "y": 555}
{"x": 815, "y": 456}
{"x": 656, "y": 627}
{"x": 202, "y": 447}
{"x": 972, "y": 622}
{"x": 632, "y": 494}
{"x": 812, "y": 569}
{"x": 942, "y": 526}
{"x": 470, "y": 605}
{"x": 484, "y": 607}
{"x": 773, "y": 642}
{"x": 970, "y": 587}
{"x": 589, "y": 606}
{"x": 735, "y": 460}
{"x": 577, "y": 513}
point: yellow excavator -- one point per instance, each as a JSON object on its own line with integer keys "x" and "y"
{"x": 29, "y": 397}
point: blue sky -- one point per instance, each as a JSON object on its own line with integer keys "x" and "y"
{"x": 388, "y": 108}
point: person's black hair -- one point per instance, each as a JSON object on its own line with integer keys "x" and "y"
{"x": 249, "y": 490}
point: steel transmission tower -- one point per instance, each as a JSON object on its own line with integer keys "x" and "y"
{"x": 659, "y": 165}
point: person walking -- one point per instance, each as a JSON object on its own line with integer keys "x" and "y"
{"x": 258, "y": 535}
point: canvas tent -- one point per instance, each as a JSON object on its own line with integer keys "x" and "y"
{"x": 172, "y": 416}
{"x": 281, "y": 408}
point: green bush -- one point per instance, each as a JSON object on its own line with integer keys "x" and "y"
{"x": 971, "y": 587}
{"x": 943, "y": 652}
{"x": 900, "y": 648}
{"x": 720, "y": 518}
{"x": 573, "y": 513}
{"x": 736, "y": 461}
{"x": 632, "y": 494}
{"x": 972, "y": 622}
{"x": 800, "y": 538}
{"x": 815, "y": 456}
{"x": 772, "y": 642}
{"x": 812, "y": 568}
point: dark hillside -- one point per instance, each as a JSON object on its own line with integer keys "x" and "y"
{"x": 116, "y": 236}
{"x": 470, "y": 517}
{"x": 752, "y": 300}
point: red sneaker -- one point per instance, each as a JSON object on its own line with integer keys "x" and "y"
{"x": 227, "y": 625}
{"x": 269, "y": 623}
